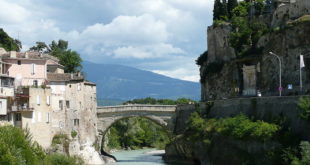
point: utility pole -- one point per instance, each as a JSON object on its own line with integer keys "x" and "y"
{"x": 280, "y": 74}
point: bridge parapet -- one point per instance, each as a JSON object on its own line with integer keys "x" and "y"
{"x": 137, "y": 107}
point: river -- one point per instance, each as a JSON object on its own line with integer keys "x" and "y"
{"x": 138, "y": 157}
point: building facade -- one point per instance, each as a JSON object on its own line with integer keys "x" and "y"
{"x": 37, "y": 95}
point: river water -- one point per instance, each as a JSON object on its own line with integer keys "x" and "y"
{"x": 138, "y": 157}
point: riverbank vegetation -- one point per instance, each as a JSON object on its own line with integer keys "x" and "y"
{"x": 270, "y": 141}
{"x": 136, "y": 133}
{"x": 17, "y": 148}
{"x": 239, "y": 127}
{"x": 304, "y": 106}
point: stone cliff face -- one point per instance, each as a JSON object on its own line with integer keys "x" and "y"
{"x": 233, "y": 79}
{"x": 219, "y": 48}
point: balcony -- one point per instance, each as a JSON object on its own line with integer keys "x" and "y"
{"x": 22, "y": 108}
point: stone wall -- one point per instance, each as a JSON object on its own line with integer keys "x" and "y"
{"x": 261, "y": 108}
{"x": 218, "y": 44}
{"x": 291, "y": 11}
{"x": 257, "y": 108}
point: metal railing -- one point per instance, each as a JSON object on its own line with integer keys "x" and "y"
{"x": 16, "y": 108}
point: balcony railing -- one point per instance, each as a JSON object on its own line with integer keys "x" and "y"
{"x": 19, "y": 108}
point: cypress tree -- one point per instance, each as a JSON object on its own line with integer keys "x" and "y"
{"x": 217, "y": 10}
{"x": 224, "y": 11}
{"x": 230, "y": 6}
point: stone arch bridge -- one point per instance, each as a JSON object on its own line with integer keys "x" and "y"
{"x": 163, "y": 115}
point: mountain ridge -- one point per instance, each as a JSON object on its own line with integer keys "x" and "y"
{"x": 121, "y": 82}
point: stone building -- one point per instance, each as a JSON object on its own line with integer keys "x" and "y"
{"x": 46, "y": 100}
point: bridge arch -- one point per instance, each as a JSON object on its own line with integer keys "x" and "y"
{"x": 163, "y": 115}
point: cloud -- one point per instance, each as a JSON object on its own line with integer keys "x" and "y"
{"x": 127, "y": 30}
{"x": 134, "y": 52}
{"x": 181, "y": 73}
{"x": 147, "y": 51}
{"x": 12, "y": 13}
{"x": 165, "y": 36}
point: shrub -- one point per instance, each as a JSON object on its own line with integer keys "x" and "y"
{"x": 238, "y": 127}
{"x": 59, "y": 139}
{"x": 304, "y": 106}
{"x": 213, "y": 68}
{"x": 305, "y": 152}
{"x": 16, "y": 148}
{"x": 73, "y": 134}
{"x": 202, "y": 58}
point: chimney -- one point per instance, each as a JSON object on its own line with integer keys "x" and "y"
{"x": 13, "y": 54}
{"x": 71, "y": 75}
{"x": 26, "y": 55}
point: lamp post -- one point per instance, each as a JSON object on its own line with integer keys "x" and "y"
{"x": 280, "y": 74}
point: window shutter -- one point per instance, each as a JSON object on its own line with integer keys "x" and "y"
{"x": 39, "y": 116}
{"x": 33, "y": 69}
{"x": 47, "y": 117}
{"x": 38, "y": 99}
{"x": 33, "y": 117}
{"x": 48, "y": 99}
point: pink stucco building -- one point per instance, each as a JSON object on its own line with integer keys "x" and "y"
{"x": 29, "y": 68}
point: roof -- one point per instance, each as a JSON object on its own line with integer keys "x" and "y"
{"x": 64, "y": 77}
{"x": 30, "y": 55}
{"x": 89, "y": 83}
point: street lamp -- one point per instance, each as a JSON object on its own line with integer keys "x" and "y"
{"x": 280, "y": 74}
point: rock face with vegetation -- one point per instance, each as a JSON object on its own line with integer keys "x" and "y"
{"x": 243, "y": 131}
{"x": 263, "y": 130}
{"x": 245, "y": 37}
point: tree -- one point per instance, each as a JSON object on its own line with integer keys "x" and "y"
{"x": 230, "y": 6}
{"x": 217, "y": 10}
{"x": 71, "y": 60}
{"x": 41, "y": 47}
{"x": 224, "y": 11}
{"x": 8, "y": 43}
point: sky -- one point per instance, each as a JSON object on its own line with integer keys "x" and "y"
{"x": 162, "y": 36}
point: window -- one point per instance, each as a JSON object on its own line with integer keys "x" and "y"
{"x": 18, "y": 117}
{"x": 35, "y": 83}
{"x": 47, "y": 117}
{"x": 38, "y": 99}
{"x": 19, "y": 62}
{"x": 48, "y": 99}
{"x": 33, "y": 69}
{"x": 33, "y": 117}
{"x": 76, "y": 122}
{"x": 60, "y": 104}
{"x": 68, "y": 104}
{"x": 39, "y": 116}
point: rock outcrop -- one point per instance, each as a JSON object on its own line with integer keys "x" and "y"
{"x": 289, "y": 37}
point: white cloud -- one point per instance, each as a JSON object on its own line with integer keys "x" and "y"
{"x": 127, "y": 52}
{"x": 12, "y": 13}
{"x": 161, "y": 35}
{"x": 147, "y": 51}
{"x": 126, "y": 30}
{"x": 181, "y": 73}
